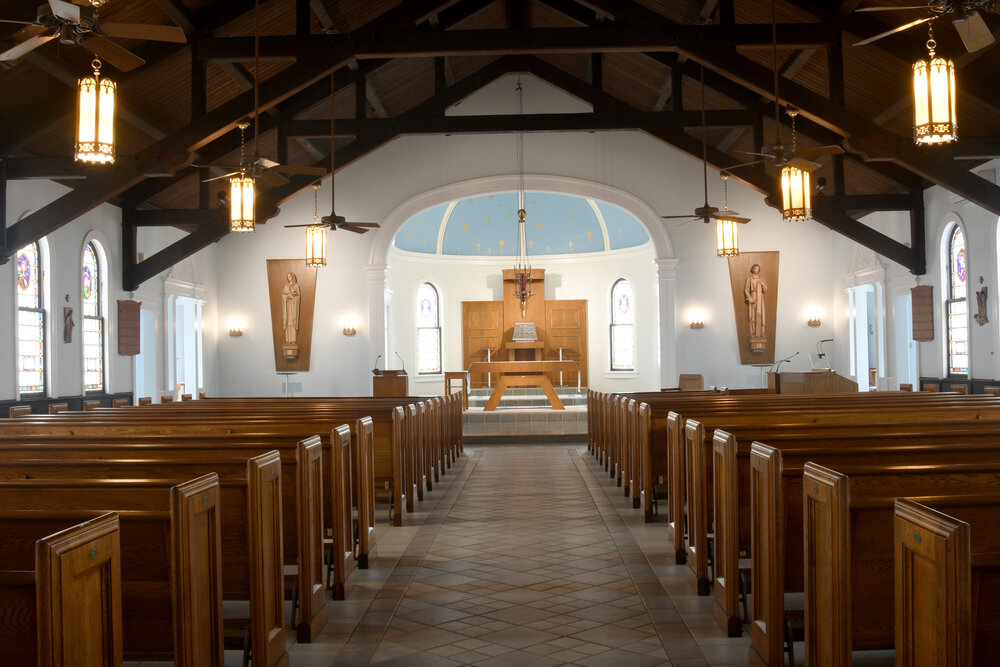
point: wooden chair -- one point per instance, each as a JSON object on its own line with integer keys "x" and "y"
{"x": 186, "y": 397}
{"x": 463, "y": 378}
{"x": 905, "y": 386}
{"x": 91, "y": 405}
{"x": 958, "y": 388}
{"x": 992, "y": 390}
{"x": 145, "y": 400}
{"x": 202, "y": 395}
{"x": 930, "y": 386}
{"x": 56, "y": 408}
{"x": 19, "y": 410}
{"x": 120, "y": 402}
{"x": 166, "y": 398}
{"x": 691, "y": 382}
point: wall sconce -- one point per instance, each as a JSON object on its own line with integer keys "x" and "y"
{"x": 349, "y": 325}
{"x": 697, "y": 319}
{"x": 814, "y": 317}
{"x": 235, "y": 327}
{"x": 697, "y": 324}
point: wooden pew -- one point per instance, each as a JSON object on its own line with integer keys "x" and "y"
{"x": 731, "y": 491}
{"x": 19, "y": 411}
{"x": 70, "y": 596}
{"x": 363, "y": 462}
{"x": 848, "y": 520}
{"x": 169, "y": 538}
{"x": 342, "y": 550}
{"x": 947, "y": 566}
{"x": 301, "y": 486}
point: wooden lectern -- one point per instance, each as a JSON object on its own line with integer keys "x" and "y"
{"x": 810, "y": 382}
{"x": 389, "y": 383}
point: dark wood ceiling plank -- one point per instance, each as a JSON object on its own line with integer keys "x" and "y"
{"x": 179, "y": 14}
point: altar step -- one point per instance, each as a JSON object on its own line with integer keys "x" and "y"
{"x": 528, "y": 397}
{"x": 538, "y": 424}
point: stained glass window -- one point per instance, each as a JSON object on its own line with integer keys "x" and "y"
{"x": 30, "y": 322}
{"x": 428, "y": 330}
{"x": 957, "y": 305}
{"x": 93, "y": 320}
{"x": 622, "y": 327}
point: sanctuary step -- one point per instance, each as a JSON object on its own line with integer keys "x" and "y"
{"x": 527, "y": 397}
{"x": 538, "y": 425}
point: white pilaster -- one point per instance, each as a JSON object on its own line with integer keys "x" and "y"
{"x": 666, "y": 277}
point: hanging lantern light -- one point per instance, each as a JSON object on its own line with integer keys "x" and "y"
{"x": 796, "y": 194}
{"x": 796, "y": 201}
{"x": 95, "y": 137}
{"x": 316, "y": 235}
{"x": 934, "y": 93}
{"x": 241, "y": 192}
{"x": 727, "y": 225}
{"x": 522, "y": 265}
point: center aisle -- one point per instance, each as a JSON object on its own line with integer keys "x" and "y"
{"x": 523, "y": 560}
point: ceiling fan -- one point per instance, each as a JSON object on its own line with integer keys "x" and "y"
{"x": 334, "y": 221}
{"x": 781, "y": 154}
{"x": 706, "y": 213}
{"x": 254, "y": 165}
{"x": 966, "y": 17}
{"x": 77, "y": 23}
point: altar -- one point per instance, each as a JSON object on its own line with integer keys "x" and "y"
{"x": 524, "y": 374}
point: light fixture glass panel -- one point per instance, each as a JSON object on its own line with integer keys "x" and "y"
{"x": 934, "y": 101}
{"x": 241, "y": 203}
{"x": 315, "y": 245}
{"x": 795, "y": 196}
{"x": 728, "y": 237}
{"x": 95, "y": 139}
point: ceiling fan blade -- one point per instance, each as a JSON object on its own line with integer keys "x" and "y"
{"x": 25, "y": 46}
{"x": 228, "y": 167}
{"x": 769, "y": 155}
{"x": 893, "y": 31}
{"x": 24, "y": 23}
{"x": 155, "y": 33}
{"x": 266, "y": 163}
{"x": 349, "y": 226}
{"x": 888, "y": 9}
{"x": 745, "y": 164}
{"x": 28, "y": 31}
{"x": 273, "y": 178}
{"x": 364, "y": 224}
{"x": 672, "y": 217}
{"x": 818, "y": 151}
{"x": 293, "y": 226}
{"x": 804, "y": 165}
{"x": 974, "y": 32}
{"x": 294, "y": 169}
{"x": 121, "y": 58}
{"x": 66, "y": 11}
{"x": 219, "y": 178}
{"x": 737, "y": 218}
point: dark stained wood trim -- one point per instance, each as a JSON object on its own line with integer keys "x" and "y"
{"x": 834, "y": 218}
{"x": 176, "y": 252}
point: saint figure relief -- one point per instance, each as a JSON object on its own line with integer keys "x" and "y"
{"x": 290, "y": 299}
{"x": 753, "y": 294}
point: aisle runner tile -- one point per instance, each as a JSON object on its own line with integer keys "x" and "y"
{"x": 523, "y": 561}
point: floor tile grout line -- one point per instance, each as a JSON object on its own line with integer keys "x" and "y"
{"x": 622, "y": 537}
{"x": 421, "y": 542}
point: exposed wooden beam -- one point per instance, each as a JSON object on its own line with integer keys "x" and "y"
{"x": 421, "y": 43}
{"x": 179, "y": 14}
{"x": 138, "y": 273}
{"x": 52, "y": 168}
{"x": 506, "y": 123}
{"x": 833, "y": 217}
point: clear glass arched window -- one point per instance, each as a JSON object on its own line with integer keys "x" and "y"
{"x": 622, "y": 326}
{"x": 957, "y": 304}
{"x": 92, "y": 291}
{"x": 428, "y": 330}
{"x": 30, "y": 322}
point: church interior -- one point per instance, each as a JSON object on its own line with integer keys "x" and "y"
{"x": 632, "y": 332}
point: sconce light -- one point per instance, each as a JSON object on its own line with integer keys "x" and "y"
{"x": 235, "y": 327}
{"x": 349, "y": 325}
{"x": 697, "y": 319}
{"x": 697, "y": 324}
{"x": 814, "y": 317}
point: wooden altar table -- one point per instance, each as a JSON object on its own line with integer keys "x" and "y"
{"x": 524, "y": 374}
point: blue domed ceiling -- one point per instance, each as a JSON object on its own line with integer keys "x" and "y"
{"x": 555, "y": 224}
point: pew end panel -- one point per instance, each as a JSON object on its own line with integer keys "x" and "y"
{"x": 697, "y": 484}
{"x": 267, "y": 604}
{"x": 675, "y": 488}
{"x": 343, "y": 538}
{"x": 727, "y": 548}
{"x": 78, "y": 594}
{"x": 767, "y": 612}
{"x": 309, "y": 517}
{"x": 196, "y": 566}
{"x": 932, "y": 573}
{"x": 644, "y": 493}
{"x": 826, "y": 516}
{"x": 365, "y": 490}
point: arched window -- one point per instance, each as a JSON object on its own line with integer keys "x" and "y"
{"x": 428, "y": 330}
{"x": 92, "y": 285}
{"x": 957, "y": 304}
{"x": 622, "y": 327}
{"x": 30, "y": 322}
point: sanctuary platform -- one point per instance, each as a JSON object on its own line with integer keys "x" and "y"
{"x": 525, "y": 414}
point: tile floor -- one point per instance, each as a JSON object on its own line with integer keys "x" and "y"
{"x": 523, "y": 555}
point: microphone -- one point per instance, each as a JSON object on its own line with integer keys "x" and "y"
{"x": 777, "y": 365}
{"x": 375, "y": 370}
{"x": 402, "y": 365}
{"x": 826, "y": 340}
